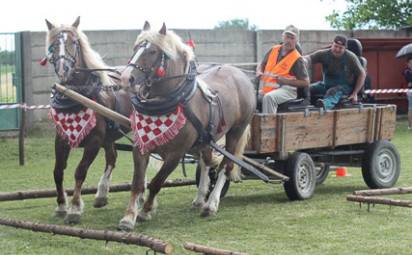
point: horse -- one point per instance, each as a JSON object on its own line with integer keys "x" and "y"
{"x": 219, "y": 102}
{"x": 75, "y": 64}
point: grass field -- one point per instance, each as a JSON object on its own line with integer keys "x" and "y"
{"x": 254, "y": 217}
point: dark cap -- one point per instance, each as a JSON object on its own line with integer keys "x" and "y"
{"x": 340, "y": 39}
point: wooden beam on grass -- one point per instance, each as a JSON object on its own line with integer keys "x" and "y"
{"x": 20, "y": 195}
{"x": 379, "y": 200}
{"x": 115, "y": 236}
{"x": 209, "y": 250}
{"x": 379, "y": 192}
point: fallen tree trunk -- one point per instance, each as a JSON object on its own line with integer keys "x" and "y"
{"x": 209, "y": 250}
{"x": 377, "y": 192}
{"x": 379, "y": 200}
{"x": 121, "y": 237}
{"x": 19, "y": 195}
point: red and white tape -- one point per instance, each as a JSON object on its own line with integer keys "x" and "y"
{"x": 24, "y": 106}
{"x": 386, "y": 91}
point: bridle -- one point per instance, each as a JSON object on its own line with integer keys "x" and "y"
{"x": 156, "y": 73}
{"x": 64, "y": 53}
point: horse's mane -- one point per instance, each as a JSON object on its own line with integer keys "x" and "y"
{"x": 91, "y": 58}
{"x": 171, "y": 44}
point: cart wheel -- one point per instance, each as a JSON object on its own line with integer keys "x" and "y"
{"x": 322, "y": 172}
{"x": 381, "y": 165}
{"x": 301, "y": 171}
{"x": 213, "y": 178}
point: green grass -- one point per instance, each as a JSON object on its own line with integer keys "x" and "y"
{"x": 254, "y": 217}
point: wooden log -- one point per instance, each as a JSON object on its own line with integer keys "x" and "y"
{"x": 378, "y": 192}
{"x": 121, "y": 237}
{"x": 106, "y": 112}
{"x": 265, "y": 169}
{"x": 379, "y": 200}
{"x": 209, "y": 250}
{"x": 19, "y": 195}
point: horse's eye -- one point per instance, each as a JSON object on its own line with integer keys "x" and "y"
{"x": 152, "y": 52}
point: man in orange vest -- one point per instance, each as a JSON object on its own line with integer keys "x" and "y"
{"x": 282, "y": 71}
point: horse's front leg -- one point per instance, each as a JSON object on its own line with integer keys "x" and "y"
{"x": 62, "y": 151}
{"x": 91, "y": 149}
{"x": 204, "y": 181}
{"x": 155, "y": 184}
{"x": 136, "y": 200}
{"x": 101, "y": 198}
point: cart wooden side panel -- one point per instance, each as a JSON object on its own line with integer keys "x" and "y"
{"x": 287, "y": 132}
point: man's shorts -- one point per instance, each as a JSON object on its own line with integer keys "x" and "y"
{"x": 410, "y": 100}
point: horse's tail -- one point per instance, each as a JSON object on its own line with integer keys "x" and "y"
{"x": 236, "y": 173}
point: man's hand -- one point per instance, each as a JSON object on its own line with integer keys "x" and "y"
{"x": 281, "y": 81}
{"x": 353, "y": 98}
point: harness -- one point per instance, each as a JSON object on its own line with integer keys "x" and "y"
{"x": 182, "y": 96}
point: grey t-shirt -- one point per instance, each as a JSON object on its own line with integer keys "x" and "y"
{"x": 332, "y": 66}
{"x": 298, "y": 69}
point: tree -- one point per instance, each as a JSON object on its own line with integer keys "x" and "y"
{"x": 236, "y": 24}
{"x": 373, "y": 14}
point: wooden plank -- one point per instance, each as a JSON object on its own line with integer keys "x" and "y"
{"x": 263, "y": 134}
{"x": 335, "y": 123}
{"x": 351, "y": 126}
{"x": 281, "y": 125}
{"x": 388, "y": 122}
{"x": 313, "y": 131}
{"x": 378, "y": 123}
{"x": 371, "y": 125}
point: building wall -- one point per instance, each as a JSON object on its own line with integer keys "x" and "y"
{"x": 215, "y": 46}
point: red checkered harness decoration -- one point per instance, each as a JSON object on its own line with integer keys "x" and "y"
{"x": 73, "y": 126}
{"x": 152, "y": 131}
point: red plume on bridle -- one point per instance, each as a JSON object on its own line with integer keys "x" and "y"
{"x": 43, "y": 61}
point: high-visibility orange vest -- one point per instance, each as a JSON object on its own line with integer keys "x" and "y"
{"x": 280, "y": 69}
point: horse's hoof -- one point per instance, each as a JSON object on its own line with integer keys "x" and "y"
{"x": 60, "y": 213}
{"x": 100, "y": 202}
{"x": 144, "y": 216}
{"x": 197, "y": 205}
{"x": 125, "y": 226}
{"x": 207, "y": 212}
{"x": 72, "y": 219}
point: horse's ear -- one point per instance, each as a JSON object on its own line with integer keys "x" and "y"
{"x": 50, "y": 26}
{"x": 76, "y": 22}
{"x": 146, "y": 26}
{"x": 163, "y": 29}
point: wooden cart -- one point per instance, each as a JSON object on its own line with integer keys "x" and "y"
{"x": 302, "y": 145}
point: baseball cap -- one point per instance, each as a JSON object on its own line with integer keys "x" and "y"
{"x": 341, "y": 40}
{"x": 291, "y": 29}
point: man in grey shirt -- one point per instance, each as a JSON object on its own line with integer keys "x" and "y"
{"x": 343, "y": 74}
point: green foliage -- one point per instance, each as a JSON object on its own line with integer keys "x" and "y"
{"x": 373, "y": 14}
{"x": 254, "y": 217}
{"x": 7, "y": 57}
{"x": 236, "y": 24}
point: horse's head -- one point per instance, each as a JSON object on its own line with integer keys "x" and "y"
{"x": 156, "y": 55}
{"x": 63, "y": 49}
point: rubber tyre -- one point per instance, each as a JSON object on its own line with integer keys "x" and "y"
{"x": 301, "y": 171}
{"x": 322, "y": 172}
{"x": 213, "y": 179}
{"x": 381, "y": 165}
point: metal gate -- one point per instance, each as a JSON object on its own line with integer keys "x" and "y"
{"x": 10, "y": 79}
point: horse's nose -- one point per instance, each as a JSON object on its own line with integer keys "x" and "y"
{"x": 131, "y": 80}
{"x": 127, "y": 77}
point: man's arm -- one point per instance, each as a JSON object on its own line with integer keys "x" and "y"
{"x": 361, "y": 74}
